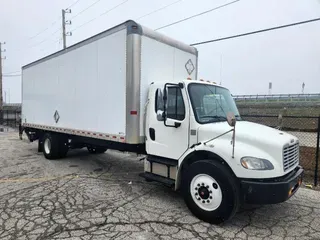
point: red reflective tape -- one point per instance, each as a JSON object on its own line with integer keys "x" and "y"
{"x": 133, "y": 112}
{"x": 107, "y": 136}
{"x": 121, "y": 137}
{"x": 114, "y": 136}
{"x": 100, "y": 135}
{"x": 94, "y": 134}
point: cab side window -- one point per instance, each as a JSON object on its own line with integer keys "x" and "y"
{"x": 159, "y": 100}
{"x": 175, "y": 104}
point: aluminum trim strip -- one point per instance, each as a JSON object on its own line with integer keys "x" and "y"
{"x": 97, "y": 135}
{"x": 133, "y": 88}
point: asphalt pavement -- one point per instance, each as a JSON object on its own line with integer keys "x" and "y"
{"x": 102, "y": 197}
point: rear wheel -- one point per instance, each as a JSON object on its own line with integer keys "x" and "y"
{"x": 210, "y": 191}
{"x": 96, "y": 150}
{"x": 63, "y": 147}
{"x": 54, "y": 146}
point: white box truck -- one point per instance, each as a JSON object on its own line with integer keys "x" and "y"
{"x": 132, "y": 89}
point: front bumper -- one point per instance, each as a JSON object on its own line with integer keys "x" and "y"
{"x": 270, "y": 191}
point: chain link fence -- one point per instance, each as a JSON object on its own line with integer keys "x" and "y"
{"x": 306, "y": 129}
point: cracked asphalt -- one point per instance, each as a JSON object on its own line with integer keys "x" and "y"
{"x": 102, "y": 197}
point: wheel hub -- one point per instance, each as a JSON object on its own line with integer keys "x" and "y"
{"x": 206, "y": 192}
{"x": 203, "y": 193}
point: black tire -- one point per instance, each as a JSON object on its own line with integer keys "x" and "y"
{"x": 96, "y": 150}
{"x": 228, "y": 186}
{"x": 58, "y": 146}
{"x": 63, "y": 147}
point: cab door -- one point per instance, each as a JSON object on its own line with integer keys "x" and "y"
{"x": 167, "y": 136}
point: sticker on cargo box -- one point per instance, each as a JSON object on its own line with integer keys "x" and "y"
{"x": 56, "y": 116}
{"x": 189, "y": 67}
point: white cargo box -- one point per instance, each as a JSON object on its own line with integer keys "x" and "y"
{"x": 98, "y": 87}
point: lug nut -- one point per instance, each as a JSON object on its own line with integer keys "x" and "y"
{"x": 210, "y": 197}
{"x": 203, "y": 201}
{"x": 198, "y": 184}
{"x": 196, "y": 188}
{"x": 199, "y": 199}
{"x": 207, "y": 186}
{"x": 210, "y": 191}
{"x": 202, "y": 184}
{"x": 196, "y": 194}
{"x": 208, "y": 201}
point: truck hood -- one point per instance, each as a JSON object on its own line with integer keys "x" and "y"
{"x": 247, "y": 132}
{"x": 252, "y": 139}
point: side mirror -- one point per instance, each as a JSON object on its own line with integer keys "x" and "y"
{"x": 231, "y": 119}
{"x": 160, "y": 116}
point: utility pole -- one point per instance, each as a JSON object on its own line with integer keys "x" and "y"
{"x": 220, "y": 69}
{"x": 64, "y": 23}
{"x": 1, "y": 97}
{"x": 64, "y": 29}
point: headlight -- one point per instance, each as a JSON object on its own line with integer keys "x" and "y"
{"x": 253, "y": 163}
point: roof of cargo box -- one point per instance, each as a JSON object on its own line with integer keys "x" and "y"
{"x": 132, "y": 28}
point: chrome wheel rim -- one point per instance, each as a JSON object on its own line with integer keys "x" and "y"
{"x": 47, "y": 146}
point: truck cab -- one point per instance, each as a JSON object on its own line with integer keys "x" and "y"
{"x": 197, "y": 142}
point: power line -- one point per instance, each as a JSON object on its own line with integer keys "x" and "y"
{"x": 109, "y": 10}
{"x": 94, "y": 3}
{"x": 159, "y": 9}
{"x": 74, "y": 4}
{"x": 17, "y": 75}
{"x": 52, "y": 24}
{"x": 11, "y": 72}
{"x": 258, "y": 31}
{"x": 39, "y": 43}
{"x": 42, "y": 31}
{"x": 196, "y": 15}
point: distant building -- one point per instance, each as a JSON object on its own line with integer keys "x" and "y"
{"x": 11, "y": 113}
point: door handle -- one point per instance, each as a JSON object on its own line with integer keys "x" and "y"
{"x": 177, "y": 124}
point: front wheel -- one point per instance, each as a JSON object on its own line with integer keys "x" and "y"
{"x": 210, "y": 191}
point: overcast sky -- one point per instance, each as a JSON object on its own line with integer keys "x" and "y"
{"x": 286, "y": 57}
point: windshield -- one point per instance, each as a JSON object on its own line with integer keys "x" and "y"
{"x": 211, "y": 103}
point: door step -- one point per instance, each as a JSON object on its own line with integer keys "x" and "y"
{"x": 157, "y": 178}
{"x": 165, "y": 161}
